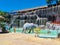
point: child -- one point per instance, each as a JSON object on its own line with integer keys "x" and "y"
{"x": 37, "y": 31}
{"x": 14, "y": 29}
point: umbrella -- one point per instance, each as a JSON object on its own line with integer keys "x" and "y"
{"x": 1, "y": 17}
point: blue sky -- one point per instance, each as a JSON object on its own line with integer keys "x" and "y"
{"x": 10, "y": 5}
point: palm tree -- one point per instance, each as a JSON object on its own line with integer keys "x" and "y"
{"x": 49, "y": 2}
{"x": 3, "y": 13}
{"x": 57, "y": 1}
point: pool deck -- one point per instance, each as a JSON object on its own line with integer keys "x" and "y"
{"x": 25, "y": 39}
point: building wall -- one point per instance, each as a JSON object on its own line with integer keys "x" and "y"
{"x": 41, "y": 12}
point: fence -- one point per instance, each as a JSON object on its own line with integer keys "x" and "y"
{"x": 20, "y": 23}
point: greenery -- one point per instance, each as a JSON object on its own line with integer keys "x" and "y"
{"x": 3, "y": 13}
{"x": 6, "y": 15}
{"x": 3, "y": 20}
{"x": 57, "y": 1}
{"x": 50, "y": 2}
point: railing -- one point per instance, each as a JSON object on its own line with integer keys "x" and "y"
{"x": 20, "y": 23}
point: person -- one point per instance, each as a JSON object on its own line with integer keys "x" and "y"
{"x": 14, "y": 29}
{"x": 37, "y": 31}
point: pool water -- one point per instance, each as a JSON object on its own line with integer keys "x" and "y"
{"x": 51, "y": 32}
{"x": 42, "y": 33}
{"x": 19, "y": 30}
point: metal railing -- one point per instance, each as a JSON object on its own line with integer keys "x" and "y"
{"x": 20, "y": 23}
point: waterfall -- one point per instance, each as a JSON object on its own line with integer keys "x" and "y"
{"x": 12, "y": 20}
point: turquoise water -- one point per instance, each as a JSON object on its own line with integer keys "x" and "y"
{"x": 43, "y": 33}
{"x": 19, "y": 30}
{"x": 50, "y": 32}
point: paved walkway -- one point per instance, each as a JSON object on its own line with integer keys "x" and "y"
{"x": 25, "y": 39}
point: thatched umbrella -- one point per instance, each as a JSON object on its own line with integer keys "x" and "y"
{"x": 2, "y": 18}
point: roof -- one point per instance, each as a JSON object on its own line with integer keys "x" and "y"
{"x": 30, "y": 9}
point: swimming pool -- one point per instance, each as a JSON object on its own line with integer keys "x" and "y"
{"x": 42, "y": 33}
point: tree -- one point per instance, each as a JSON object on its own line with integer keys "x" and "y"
{"x": 3, "y": 13}
{"x": 6, "y": 15}
{"x": 49, "y": 2}
{"x": 57, "y": 1}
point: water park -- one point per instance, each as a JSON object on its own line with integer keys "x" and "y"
{"x": 31, "y": 22}
{"x": 33, "y": 26}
